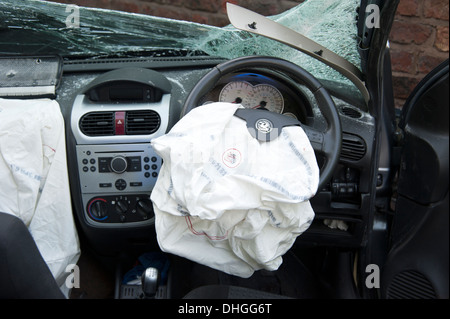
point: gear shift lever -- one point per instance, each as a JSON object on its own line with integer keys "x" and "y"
{"x": 150, "y": 282}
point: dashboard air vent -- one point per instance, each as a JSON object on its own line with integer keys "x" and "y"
{"x": 351, "y": 112}
{"x": 353, "y": 147}
{"x": 97, "y": 124}
{"x": 142, "y": 122}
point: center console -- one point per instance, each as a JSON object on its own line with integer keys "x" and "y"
{"x": 113, "y": 121}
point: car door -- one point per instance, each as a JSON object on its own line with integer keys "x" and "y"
{"x": 417, "y": 264}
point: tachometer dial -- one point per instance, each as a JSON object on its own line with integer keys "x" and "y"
{"x": 236, "y": 92}
{"x": 266, "y": 96}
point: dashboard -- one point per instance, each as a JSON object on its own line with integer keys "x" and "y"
{"x": 114, "y": 108}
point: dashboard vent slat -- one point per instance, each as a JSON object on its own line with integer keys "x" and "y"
{"x": 142, "y": 122}
{"x": 353, "y": 148}
{"x": 97, "y": 124}
{"x": 351, "y": 112}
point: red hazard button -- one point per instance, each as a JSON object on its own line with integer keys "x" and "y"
{"x": 120, "y": 123}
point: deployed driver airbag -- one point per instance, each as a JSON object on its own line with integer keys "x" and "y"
{"x": 227, "y": 200}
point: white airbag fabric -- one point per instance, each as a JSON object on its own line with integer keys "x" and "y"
{"x": 34, "y": 180}
{"x": 228, "y": 201}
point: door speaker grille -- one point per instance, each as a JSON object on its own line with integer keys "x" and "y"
{"x": 410, "y": 284}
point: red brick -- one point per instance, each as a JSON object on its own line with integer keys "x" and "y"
{"x": 177, "y": 3}
{"x": 408, "y": 8}
{"x": 437, "y": 9}
{"x": 199, "y": 18}
{"x": 127, "y": 6}
{"x": 441, "y": 41}
{"x": 406, "y": 32}
{"x": 219, "y": 21}
{"x": 402, "y": 61}
{"x": 427, "y": 63}
{"x": 203, "y": 5}
{"x": 403, "y": 85}
{"x": 223, "y": 5}
{"x": 264, "y": 7}
{"x": 171, "y": 13}
{"x": 286, "y": 5}
{"x": 399, "y": 103}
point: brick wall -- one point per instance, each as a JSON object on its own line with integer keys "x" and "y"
{"x": 419, "y": 37}
{"x": 212, "y": 12}
{"x": 418, "y": 41}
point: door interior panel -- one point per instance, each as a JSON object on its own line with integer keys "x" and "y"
{"x": 417, "y": 264}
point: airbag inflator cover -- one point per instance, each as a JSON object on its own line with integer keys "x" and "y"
{"x": 228, "y": 200}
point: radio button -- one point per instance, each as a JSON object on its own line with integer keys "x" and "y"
{"x": 119, "y": 164}
{"x": 121, "y": 184}
{"x": 104, "y": 168}
{"x": 136, "y": 184}
{"x": 135, "y": 164}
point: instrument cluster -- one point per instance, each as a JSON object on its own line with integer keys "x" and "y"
{"x": 257, "y": 91}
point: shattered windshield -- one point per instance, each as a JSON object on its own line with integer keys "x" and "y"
{"x": 35, "y": 27}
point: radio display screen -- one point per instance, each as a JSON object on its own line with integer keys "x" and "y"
{"x": 126, "y": 94}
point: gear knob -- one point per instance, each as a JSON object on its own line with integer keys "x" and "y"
{"x": 150, "y": 282}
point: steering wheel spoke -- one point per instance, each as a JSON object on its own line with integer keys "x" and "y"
{"x": 316, "y": 138}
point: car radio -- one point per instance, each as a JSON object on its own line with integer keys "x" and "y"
{"x": 116, "y": 181}
{"x": 117, "y": 168}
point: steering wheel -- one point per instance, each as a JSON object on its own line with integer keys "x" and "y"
{"x": 327, "y": 142}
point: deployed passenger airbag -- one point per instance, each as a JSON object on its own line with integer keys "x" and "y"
{"x": 34, "y": 180}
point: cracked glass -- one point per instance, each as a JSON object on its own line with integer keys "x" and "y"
{"x": 35, "y": 27}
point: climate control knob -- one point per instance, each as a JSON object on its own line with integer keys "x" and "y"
{"x": 119, "y": 164}
{"x": 144, "y": 208}
{"x": 121, "y": 207}
{"x": 98, "y": 209}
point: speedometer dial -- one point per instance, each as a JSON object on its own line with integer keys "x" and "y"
{"x": 236, "y": 92}
{"x": 266, "y": 96}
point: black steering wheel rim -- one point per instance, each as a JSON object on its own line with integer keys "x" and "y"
{"x": 327, "y": 143}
